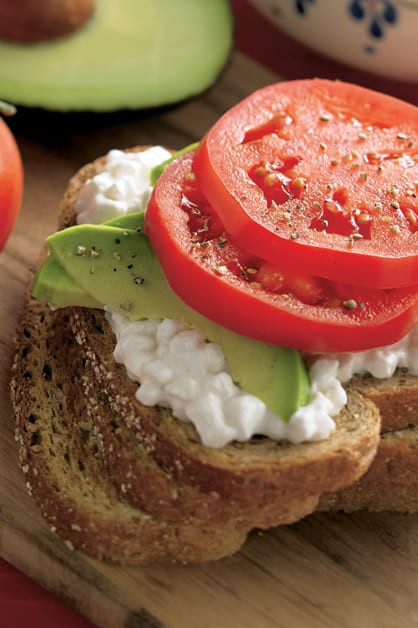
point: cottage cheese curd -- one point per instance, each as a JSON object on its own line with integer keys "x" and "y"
{"x": 123, "y": 187}
{"x": 178, "y": 369}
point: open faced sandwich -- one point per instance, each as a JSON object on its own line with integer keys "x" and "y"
{"x": 225, "y": 338}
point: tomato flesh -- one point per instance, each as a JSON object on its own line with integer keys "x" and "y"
{"x": 321, "y": 175}
{"x": 11, "y": 182}
{"x": 254, "y": 297}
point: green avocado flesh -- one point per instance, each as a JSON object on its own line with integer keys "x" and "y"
{"x": 114, "y": 264}
{"x": 58, "y": 288}
{"x": 132, "y": 54}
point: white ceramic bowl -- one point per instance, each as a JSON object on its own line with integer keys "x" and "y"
{"x": 380, "y": 36}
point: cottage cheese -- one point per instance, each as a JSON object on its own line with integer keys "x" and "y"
{"x": 123, "y": 187}
{"x": 381, "y": 362}
{"x": 178, "y": 369}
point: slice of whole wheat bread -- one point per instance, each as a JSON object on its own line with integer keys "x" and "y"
{"x": 256, "y": 478}
{"x": 396, "y": 397}
{"x": 391, "y": 482}
{"x": 60, "y": 455}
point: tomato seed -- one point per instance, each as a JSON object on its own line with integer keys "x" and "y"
{"x": 271, "y": 179}
{"x": 363, "y": 218}
{"x": 332, "y": 207}
{"x": 350, "y": 304}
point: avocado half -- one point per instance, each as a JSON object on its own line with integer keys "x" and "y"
{"x": 132, "y": 54}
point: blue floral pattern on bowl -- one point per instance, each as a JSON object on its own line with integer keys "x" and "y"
{"x": 377, "y": 36}
{"x": 377, "y": 13}
{"x": 301, "y": 6}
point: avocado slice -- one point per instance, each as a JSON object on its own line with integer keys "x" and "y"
{"x": 132, "y": 54}
{"x": 116, "y": 266}
{"x": 52, "y": 275}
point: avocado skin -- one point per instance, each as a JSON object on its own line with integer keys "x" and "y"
{"x": 114, "y": 265}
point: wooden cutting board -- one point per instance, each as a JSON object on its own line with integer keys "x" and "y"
{"x": 326, "y": 571}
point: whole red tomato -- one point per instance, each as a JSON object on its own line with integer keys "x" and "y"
{"x": 11, "y": 182}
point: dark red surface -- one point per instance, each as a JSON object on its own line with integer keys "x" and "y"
{"x": 23, "y": 603}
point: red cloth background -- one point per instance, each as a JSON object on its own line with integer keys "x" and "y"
{"x": 24, "y": 604}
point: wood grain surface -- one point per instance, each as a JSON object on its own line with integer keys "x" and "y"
{"x": 326, "y": 571}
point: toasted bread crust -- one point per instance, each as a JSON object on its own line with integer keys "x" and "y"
{"x": 60, "y": 456}
{"x": 391, "y": 482}
{"x": 396, "y": 397}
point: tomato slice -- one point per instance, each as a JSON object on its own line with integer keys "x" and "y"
{"x": 321, "y": 175}
{"x": 245, "y": 293}
{"x": 11, "y": 182}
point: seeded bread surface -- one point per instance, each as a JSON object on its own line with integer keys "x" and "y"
{"x": 59, "y": 451}
{"x": 391, "y": 482}
{"x": 396, "y": 397}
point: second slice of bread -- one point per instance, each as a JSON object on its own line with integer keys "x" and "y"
{"x": 60, "y": 454}
{"x": 256, "y": 479}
